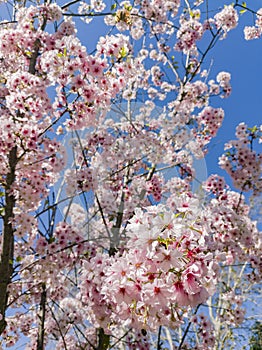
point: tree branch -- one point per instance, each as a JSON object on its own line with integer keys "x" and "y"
{"x": 187, "y": 329}
{"x": 159, "y": 338}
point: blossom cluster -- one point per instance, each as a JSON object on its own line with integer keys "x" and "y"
{"x": 189, "y": 32}
{"x": 254, "y": 32}
{"x": 210, "y": 120}
{"x": 227, "y": 19}
{"x": 241, "y": 162}
{"x": 165, "y": 265}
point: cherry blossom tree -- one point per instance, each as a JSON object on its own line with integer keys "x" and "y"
{"x": 105, "y": 241}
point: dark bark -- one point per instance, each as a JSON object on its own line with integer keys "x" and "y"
{"x": 159, "y": 343}
{"x": 41, "y": 332}
{"x": 7, "y": 248}
{"x": 103, "y": 340}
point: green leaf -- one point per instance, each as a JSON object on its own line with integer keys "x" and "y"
{"x": 254, "y": 129}
{"x": 128, "y": 7}
{"x": 123, "y": 52}
{"x": 28, "y": 53}
{"x": 243, "y": 5}
{"x": 113, "y": 7}
{"x": 51, "y": 240}
{"x": 60, "y": 54}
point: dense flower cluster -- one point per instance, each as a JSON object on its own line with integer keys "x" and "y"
{"x": 254, "y": 32}
{"x": 189, "y": 32}
{"x": 165, "y": 265}
{"x": 227, "y": 19}
{"x": 240, "y": 160}
{"x": 210, "y": 119}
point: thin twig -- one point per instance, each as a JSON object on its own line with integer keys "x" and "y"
{"x": 159, "y": 344}
{"x": 187, "y": 329}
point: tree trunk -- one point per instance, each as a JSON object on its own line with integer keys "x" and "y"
{"x": 7, "y": 247}
{"x": 41, "y": 332}
{"x": 103, "y": 340}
